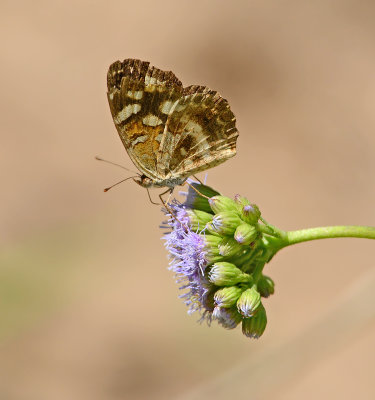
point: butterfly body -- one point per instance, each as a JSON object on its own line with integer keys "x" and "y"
{"x": 170, "y": 132}
{"x": 147, "y": 182}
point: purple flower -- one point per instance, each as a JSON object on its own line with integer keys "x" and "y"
{"x": 189, "y": 258}
{"x": 213, "y": 243}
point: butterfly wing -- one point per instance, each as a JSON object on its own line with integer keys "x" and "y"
{"x": 200, "y": 133}
{"x": 139, "y": 98}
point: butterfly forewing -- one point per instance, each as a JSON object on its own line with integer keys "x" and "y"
{"x": 135, "y": 94}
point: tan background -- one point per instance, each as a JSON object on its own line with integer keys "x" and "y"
{"x": 88, "y": 309}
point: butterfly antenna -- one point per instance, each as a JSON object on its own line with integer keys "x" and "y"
{"x": 117, "y": 183}
{"x": 117, "y": 165}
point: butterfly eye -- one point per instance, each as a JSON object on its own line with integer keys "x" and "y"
{"x": 143, "y": 181}
{"x": 146, "y": 181}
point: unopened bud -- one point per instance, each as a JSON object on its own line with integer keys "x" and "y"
{"x": 241, "y": 201}
{"x": 254, "y": 326}
{"x": 248, "y": 302}
{"x": 227, "y": 296}
{"x": 229, "y": 247}
{"x": 266, "y": 286}
{"x": 212, "y": 248}
{"x": 250, "y": 213}
{"x": 198, "y": 219}
{"x": 222, "y": 203}
{"x": 225, "y": 223}
{"x": 245, "y": 234}
{"x": 227, "y": 274}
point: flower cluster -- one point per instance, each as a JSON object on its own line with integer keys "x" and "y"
{"x": 218, "y": 247}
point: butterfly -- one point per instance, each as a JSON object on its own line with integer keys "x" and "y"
{"x": 170, "y": 132}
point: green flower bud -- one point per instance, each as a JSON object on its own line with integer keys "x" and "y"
{"x": 266, "y": 286}
{"x": 228, "y": 247}
{"x": 212, "y": 248}
{"x": 225, "y": 223}
{"x": 249, "y": 301}
{"x": 245, "y": 234}
{"x": 198, "y": 219}
{"x": 229, "y": 318}
{"x": 211, "y": 230}
{"x": 254, "y": 326}
{"x": 227, "y": 296}
{"x": 222, "y": 203}
{"x": 250, "y": 213}
{"x": 241, "y": 201}
{"x": 227, "y": 274}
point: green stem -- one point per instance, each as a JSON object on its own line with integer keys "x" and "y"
{"x": 258, "y": 272}
{"x": 327, "y": 232}
{"x": 271, "y": 230}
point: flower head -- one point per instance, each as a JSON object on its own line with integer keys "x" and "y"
{"x": 216, "y": 250}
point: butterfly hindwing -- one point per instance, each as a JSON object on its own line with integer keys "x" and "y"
{"x": 200, "y": 133}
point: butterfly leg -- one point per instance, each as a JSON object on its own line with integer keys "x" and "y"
{"x": 169, "y": 190}
{"x": 196, "y": 190}
{"x": 151, "y": 201}
{"x": 167, "y": 206}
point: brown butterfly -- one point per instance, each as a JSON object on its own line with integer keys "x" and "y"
{"x": 170, "y": 132}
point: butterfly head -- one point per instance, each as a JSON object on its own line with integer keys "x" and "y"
{"x": 144, "y": 181}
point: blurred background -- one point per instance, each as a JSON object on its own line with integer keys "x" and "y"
{"x": 88, "y": 309}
